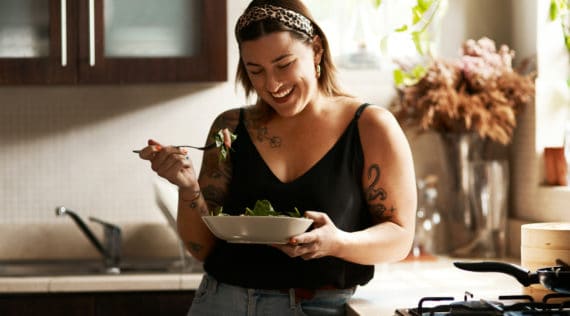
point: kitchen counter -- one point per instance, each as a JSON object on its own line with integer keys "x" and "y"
{"x": 403, "y": 284}
{"x": 396, "y": 285}
{"x": 101, "y": 283}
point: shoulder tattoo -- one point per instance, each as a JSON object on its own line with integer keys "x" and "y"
{"x": 256, "y": 123}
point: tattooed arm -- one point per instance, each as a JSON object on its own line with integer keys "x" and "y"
{"x": 206, "y": 194}
{"x": 389, "y": 185}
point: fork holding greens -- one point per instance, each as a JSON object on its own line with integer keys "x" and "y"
{"x": 173, "y": 163}
{"x": 222, "y": 139}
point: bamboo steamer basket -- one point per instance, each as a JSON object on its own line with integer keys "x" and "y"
{"x": 541, "y": 245}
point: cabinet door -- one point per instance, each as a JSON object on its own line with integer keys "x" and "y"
{"x": 163, "y": 303}
{"x": 152, "y": 41}
{"x": 37, "y": 41}
{"x": 40, "y": 304}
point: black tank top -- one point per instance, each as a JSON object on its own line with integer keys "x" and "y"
{"x": 333, "y": 185}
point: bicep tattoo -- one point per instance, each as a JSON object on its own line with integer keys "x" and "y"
{"x": 376, "y": 196}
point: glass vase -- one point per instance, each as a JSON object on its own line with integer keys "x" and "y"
{"x": 459, "y": 150}
{"x": 489, "y": 194}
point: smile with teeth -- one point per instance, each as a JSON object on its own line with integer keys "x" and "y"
{"x": 283, "y": 93}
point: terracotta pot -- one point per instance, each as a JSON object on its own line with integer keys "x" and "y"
{"x": 555, "y": 166}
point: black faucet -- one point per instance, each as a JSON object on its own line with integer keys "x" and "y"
{"x": 110, "y": 249}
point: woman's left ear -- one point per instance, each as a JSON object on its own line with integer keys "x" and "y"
{"x": 318, "y": 49}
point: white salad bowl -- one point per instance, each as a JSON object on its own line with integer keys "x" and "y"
{"x": 257, "y": 229}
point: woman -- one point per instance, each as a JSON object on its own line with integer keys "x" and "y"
{"x": 305, "y": 144}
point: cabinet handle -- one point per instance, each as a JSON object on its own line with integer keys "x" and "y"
{"x": 63, "y": 32}
{"x": 91, "y": 33}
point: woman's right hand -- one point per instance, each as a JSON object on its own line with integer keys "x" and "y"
{"x": 170, "y": 163}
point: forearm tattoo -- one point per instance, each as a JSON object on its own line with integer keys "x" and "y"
{"x": 194, "y": 201}
{"x": 376, "y": 196}
{"x": 192, "y": 198}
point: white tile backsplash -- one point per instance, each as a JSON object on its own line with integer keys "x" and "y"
{"x": 73, "y": 146}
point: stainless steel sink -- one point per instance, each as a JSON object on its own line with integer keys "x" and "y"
{"x": 93, "y": 267}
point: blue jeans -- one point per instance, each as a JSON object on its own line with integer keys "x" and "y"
{"x": 220, "y": 299}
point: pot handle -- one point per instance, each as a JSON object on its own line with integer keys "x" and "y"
{"x": 525, "y": 277}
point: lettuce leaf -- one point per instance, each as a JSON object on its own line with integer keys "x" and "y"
{"x": 261, "y": 208}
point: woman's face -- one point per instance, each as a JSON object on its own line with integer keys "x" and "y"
{"x": 282, "y": 71}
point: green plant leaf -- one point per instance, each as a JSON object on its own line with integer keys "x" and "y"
{"x": 223, "y": 149}
{"x": 376, "y": 3}
{"x": 554, "y": 9}
{"x": 261, "y": 208}
{"x": 419, "y": 71}
{"x": 402, "y": 28}
{"x": 417, "y": 14}
{"x": 425, "y": 4}
{"x": 294, "y": 213}
{"x": 417, "y": 39}
{"x": 398, "y": 76}
{"x": 218, "y": 211}
{"x": 402, "y": 78}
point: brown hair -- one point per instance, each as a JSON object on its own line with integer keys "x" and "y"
{"x": 327, "y": 81}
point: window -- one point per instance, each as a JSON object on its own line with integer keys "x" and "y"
{"x": 542, "y": 124}
{"x": 363, "y": 36}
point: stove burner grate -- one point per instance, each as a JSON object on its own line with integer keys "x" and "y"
{"x": 510, "y": 305}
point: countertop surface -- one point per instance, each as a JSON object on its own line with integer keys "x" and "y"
{"x": 403, "y": 284}
{"x": 396, "y": 285}
{"x": 99, "y": 283}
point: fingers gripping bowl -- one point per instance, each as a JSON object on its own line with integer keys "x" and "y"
{"x": 256, "y": 229}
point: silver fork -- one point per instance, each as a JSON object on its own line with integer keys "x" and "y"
{"x": 209, "y": 146}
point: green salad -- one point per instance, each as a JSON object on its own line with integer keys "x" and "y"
{"x": 261, "y": 208}
{"x": 223, "y": 139}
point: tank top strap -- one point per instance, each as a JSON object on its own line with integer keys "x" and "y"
{"x": 241, "y": 115}
{"x": 360, "y": 110}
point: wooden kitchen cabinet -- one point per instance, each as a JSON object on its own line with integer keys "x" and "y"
{"x": 31, "y": 42}
{"x": 112, "y": 41}
{"x": 167, "y": 303}
{"x": 144, "y": 303}
{"x": 40, "y": 305}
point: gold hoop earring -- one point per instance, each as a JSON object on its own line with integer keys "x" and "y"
{"x": 318, "y": 71}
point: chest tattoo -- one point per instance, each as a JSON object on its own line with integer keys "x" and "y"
{"x": 263, "y": 135}
{"x": 260, "y": 131}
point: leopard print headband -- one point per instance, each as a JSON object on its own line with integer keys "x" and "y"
{"x": 290, "y": 18}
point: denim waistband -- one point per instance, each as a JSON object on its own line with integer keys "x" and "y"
{"x": 296, "y": 295}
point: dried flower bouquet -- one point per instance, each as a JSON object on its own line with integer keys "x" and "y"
{"x": 480, "y": 92}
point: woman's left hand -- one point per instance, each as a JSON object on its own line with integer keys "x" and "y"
{"x": 323, "y": 240}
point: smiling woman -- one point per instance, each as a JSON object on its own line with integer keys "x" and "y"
{"x": 304, "y": 144}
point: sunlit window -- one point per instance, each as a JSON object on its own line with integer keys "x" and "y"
{"x": 363, "y": 36}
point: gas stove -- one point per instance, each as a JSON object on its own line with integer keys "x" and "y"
{"x": 511, "y": 305}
